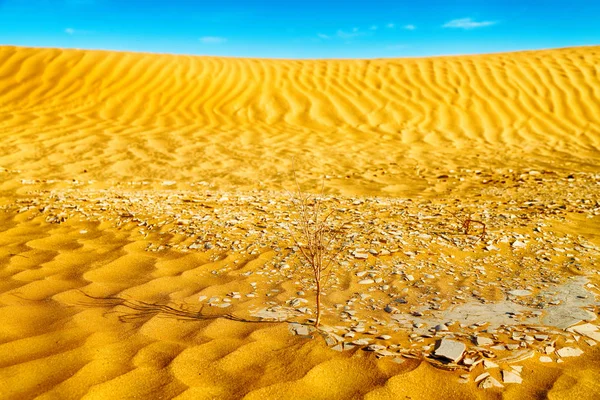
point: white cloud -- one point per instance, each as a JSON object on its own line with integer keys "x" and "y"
{"x": 348, "y": 35}
{"x": 79, "y": 32}
{"x": 467, "y": 23}
{"x": 390, "y": 25}
{"x": 373, "y": 27}
{"x": 409, "y": 27}
{"x": 213, "y": 40}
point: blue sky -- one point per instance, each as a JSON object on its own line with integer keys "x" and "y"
{"x": 301, "y": 29}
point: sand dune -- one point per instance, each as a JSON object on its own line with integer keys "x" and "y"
{"x": 135, "y": 188}
{"x": 241, "y": 121}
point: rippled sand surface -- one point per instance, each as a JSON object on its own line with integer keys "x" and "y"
{"x": 126, "y": 179}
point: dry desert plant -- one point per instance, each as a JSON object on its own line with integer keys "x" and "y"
{"x": 467, "y": 222}
{"x": 317, "y": 237}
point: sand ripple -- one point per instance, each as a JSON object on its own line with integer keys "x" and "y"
{"x": 241, "y": 121}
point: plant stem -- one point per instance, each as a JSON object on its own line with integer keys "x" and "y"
{"x": 318, "y": 300}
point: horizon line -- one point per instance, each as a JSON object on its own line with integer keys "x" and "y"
{"x": 175, "y": 54}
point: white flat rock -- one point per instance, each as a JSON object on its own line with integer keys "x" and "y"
{"x": 449, "y": 349}
{"x": 569, "y": 352}
{"x": 511, "y": 377}
{"x": 519, "y": 292}
{"x": 482, "y": 377}
{"x": 482, "y": 341}
{"x": 489, "y": 383}
{"x": 299, "y": 329}
{"x": 517, "y": 244}
{"x": 589, "y": 330}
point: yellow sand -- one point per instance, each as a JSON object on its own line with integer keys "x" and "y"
{"x": 376, "y": 128}
{"x": 127, "y": 116}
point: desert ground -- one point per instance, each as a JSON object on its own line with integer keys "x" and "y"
{"x": 147, "y": 219}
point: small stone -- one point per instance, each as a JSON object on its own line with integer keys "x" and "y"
{"x": 441, "y": 328}
{"x": 449, "y": 349}
{"x": 384, "y": 337}
{"x": 482, "y": 377}
{"x": 348, "y": 346}
{"x": 482, "y": 341}
{"x": 519, "y": 293}
{"x": 588, "y": 330}
{"x": 489, "y": 383}
{"x": 517, "y": 244}
{"x": 299, "y": 329}
{"x": 338, "y": 347}
{"x": 361, "y": 256}
{"x": 366, "y": 281}
{"x": 375, "y": 347}
{"x": 545, "y": 359}
{"x": 468, "y": 361}
{"x": 511, "y": 377}
{"x": 487, "y": 364}
{"x": 569, "y": 352}
{"x": 297, "y": 301}
{"x": 385, "y": 353}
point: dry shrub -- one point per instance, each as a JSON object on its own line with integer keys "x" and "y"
{"x": 318, "y": 237}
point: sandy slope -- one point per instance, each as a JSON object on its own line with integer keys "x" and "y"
{"x": 471, "y": 128}
{"x": 241, "y": 121}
